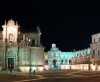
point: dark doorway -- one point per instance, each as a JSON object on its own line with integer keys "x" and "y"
{"x": 33, "y": 43}
{"x": 10, "y": 63}
{"x": 54, "y": 63}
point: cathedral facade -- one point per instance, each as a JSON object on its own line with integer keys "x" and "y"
{"x": 19, "y": 50}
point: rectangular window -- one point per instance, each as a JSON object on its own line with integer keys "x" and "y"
{"x": 98, "y": 52}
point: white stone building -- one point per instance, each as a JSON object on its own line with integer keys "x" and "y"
{"x": 60, "y": 60}
{"x": 95, "y": 46}
{"x": 54, "y": 57}
{"x": 20, "y": 50}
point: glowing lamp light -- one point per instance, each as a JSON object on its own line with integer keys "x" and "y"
{"x": 29, "y": 40}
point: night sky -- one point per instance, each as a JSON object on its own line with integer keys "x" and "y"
{"x": 58, "y": 24}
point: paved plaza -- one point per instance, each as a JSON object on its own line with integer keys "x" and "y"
{"x": 64, "y": 76}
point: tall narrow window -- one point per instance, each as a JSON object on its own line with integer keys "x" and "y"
{"x": 33, "y": 42}
{"x": 93, "y": 52}
{"x": 94, "y": 40}
{"x": 98, "y": 53}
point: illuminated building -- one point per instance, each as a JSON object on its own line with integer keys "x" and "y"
{"x": 24, "y": 52}
{"x": 20, "y": 50}
{"x": 58, "y": 59}
{"x": 86, "y": 59}
{"x": 95, "y": 46}
{"x": 54, "y": 57}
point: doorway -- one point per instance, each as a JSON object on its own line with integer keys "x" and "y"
{"x": 10, "y": 63}
{"x": 55, "y": 63}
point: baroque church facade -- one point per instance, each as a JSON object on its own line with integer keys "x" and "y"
{"x": 20, "y": 50}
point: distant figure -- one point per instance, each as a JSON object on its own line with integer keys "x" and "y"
{"x": 10, "y": 67}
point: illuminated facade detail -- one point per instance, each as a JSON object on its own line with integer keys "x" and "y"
{"x": 54, "y": 57}
{"x": 81, "y": 57}
{"x": 95, "y": 46}
{"x": 62, "y": 58}
{"x": 21, "y": 50}
{"x": 10, "y": 31}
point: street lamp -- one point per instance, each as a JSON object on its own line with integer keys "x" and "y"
{"x": 18, "y": 52}
{"x": 89, "y": 63}
{"x": 30, "y": 56}
{"x": 6, "y": 48}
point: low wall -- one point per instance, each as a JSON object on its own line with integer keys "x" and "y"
{"x": 26, "y": 69}
{"x": 83, "y": 67}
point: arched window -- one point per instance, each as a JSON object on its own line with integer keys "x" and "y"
{"x": 11, "y": 37}
{"x": 54, "y": 62}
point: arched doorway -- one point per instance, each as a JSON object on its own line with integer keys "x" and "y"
{"x": 55, "y": 63}
{"x": 11, "y": 63}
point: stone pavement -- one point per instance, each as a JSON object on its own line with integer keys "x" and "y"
{"x": 6, "y": 76}
{"x": 37, "y": 73}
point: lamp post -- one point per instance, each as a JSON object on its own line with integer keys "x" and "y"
{"x": 18, "y": 52}
{"x": 6, "y": 49}
{"x": 89, "y": 63}
{"x": 30, "y": 58}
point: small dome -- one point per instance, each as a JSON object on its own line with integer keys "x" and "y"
{"x": 11, "y": 22}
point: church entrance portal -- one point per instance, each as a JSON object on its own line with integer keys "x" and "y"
{"x": 11, "y": 63}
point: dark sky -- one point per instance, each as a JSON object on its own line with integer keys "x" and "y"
{"x": 57, "y": 22}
